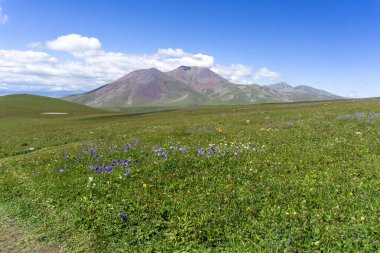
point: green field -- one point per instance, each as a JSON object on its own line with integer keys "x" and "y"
{"x": 294, "y": 177}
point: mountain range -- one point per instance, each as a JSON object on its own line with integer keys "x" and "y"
{"x": 185, "y": 86}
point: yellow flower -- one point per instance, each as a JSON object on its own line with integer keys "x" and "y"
{"x": 145, "y": 185}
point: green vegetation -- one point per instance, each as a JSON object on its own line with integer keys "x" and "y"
{"x": 296, "y": 177}
{"x": 24, "y": 104}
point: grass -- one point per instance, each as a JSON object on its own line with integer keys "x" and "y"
{"x": 296, "y": 177}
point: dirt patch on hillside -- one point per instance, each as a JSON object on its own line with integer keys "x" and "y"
{"x": 13, "y": 240}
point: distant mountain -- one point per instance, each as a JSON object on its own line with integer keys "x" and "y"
{"x": 200, "y": 79}
{"x": 219, "y": 90}
{"x": 186, "y": 86}
{"x": 302, "y": 92}
{"x": 280, "y": 86}
{"x": 147, "y": 87}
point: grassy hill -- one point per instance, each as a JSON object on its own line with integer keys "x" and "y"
{"x": 32, "y": 105}
{"x": 291, "y": 177}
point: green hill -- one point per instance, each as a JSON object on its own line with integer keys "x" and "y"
{"x": 24, "y": 104}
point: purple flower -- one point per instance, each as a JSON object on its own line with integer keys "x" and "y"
{"x": 35, "y": 174}
{"x": 126, "y": 148}
{"x": 183, "y": 150}
{"x": 123, "y": 217}
{"x": 110, "y": 170}
{"x": 201, "y": 151}
{"x": 127, "y": 171}
{"x": 59, "y": 170}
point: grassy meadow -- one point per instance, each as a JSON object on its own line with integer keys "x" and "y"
{"x": 294, "y": 177}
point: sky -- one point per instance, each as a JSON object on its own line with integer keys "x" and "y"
{"x": 57, "y": 47}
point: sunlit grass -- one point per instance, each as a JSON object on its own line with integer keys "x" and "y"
{"x": 295, "y": 177}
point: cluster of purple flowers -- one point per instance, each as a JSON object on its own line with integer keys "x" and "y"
{"x": 125, "y": 164}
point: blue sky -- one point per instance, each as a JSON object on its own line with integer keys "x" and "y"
{"x": 329, "y": 44}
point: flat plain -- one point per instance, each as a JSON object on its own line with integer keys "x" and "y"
{"x": 294, "y": 177}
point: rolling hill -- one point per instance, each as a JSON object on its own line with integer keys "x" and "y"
{"x": 25, "y": 104}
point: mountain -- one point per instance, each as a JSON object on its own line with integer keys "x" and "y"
{"x": 147, "y": 87}
{"x": 200, "y": 79}
{"x": 219, "y": 90}
{"x": 186, "y": 86}
{"x": 301, "y": 93}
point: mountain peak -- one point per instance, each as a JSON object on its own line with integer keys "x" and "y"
{"x": 185, "y": 68}
{"x": 201, "y": 79}
{"x": 280, "y": 86}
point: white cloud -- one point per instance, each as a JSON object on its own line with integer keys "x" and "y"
{"x": 91, "y": 66}
{"x": 171, "y": 52}
{"x": 3, "y": 17}
{"x": 236, "y": 73}
{"x": 75, "y": 44}
{"x": 35, "y": 45}
{"x": 265, "y": 72}
{"x": 242, "y": 74}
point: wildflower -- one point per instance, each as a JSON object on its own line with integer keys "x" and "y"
{"x": 145, "y": 185}
{"x": 127, "y": 171}
{"x": 110, "y": 170}
{"x": 90, "y": 179}
{"x": 201, "y": 151}
{"x": 183, "y": 150}
{"x": 59, "y": 170}
{"x": 35, "y": 174}
{"x": 123, "y": 217}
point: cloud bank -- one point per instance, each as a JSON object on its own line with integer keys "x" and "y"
{"x": 90, "y": 66}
